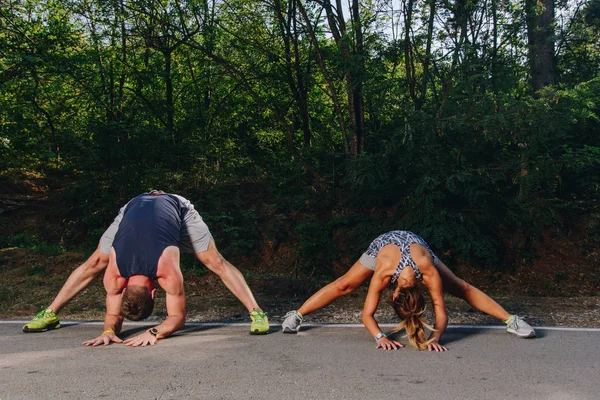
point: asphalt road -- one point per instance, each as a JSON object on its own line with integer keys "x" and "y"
{"x": 321, "y": 362}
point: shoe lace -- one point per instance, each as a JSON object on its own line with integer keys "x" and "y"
{"x": 515, "y": 322}
{"x": 259, "y": 317}
{"x": 293, "y": 313}
{"x": 40, "y": 315}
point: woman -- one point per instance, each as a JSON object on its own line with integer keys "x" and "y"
{"x": 386, "y": 260}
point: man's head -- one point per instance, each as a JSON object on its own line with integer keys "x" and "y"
{"x": 137, "y": 302}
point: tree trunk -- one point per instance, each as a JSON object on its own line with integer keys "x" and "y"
{"x": 427, "y": 59}
{"x": 302, "y": 90}
{"x": 408, "y": 56}
{"x": 330, "y": 85}
{"x": 55, "y": 145}
{"x": 169, "y": 95}
{"x": 359, "y": 102}
{"x": 461, "y": 18}
{"x": 337, "y": 25}
{"x": 494, "y": 57}
{"x": 296, "y": 85}
{"x": 124, "y": 51}
{"x": 540, "y": 35}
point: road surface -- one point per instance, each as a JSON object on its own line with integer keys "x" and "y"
{"x": 322, "y": 362}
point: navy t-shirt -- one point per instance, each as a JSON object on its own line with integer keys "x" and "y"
{"x": 150, "y": 224}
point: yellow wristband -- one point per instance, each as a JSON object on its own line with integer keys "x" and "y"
{"x": 107, "y": 331}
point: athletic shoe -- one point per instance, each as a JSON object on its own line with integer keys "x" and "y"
{"x": 520, "y": 328}
{"x": 260, "y": 323}
{"x": 292, "y": 322}
{"x": 45, "y": 320}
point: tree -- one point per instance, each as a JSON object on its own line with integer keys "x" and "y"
{"x": 540, "y": 36}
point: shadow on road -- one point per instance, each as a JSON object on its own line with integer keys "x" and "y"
{"x": 69, "y": 324}
{"x": 202, "y": 328}
{"x": 133, "y": 331}
{"x": 450, "y": 336}
{"x": 306, "y": 328}
{"x": 458, "y": 335}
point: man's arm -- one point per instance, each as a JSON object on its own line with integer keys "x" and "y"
{"x": 113, "y": 320}
{"x": 175, "y": 312}
{"x": 175, "y": 321}
{"x": 170, "y": 279}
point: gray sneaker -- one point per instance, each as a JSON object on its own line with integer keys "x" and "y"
{"x": 292, "y": 322}
{"x": 520, "y": 328}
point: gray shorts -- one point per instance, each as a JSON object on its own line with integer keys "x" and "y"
{"x": 368, "y": 261}
{"x": 194, "y": 236}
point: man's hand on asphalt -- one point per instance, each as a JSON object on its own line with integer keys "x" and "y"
{"x": 103, "y": 339}
{"x": 143, "y": 339}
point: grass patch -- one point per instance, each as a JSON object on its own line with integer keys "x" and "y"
{"x": 35, "y": 270}
{"x": 6, "y": 294}
{"x": 31, "y": 242}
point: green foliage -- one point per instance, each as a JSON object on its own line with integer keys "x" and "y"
{"x": 245, "y": 113}
{"x": 31, "y": 242}
{"x": 315, "y": 241}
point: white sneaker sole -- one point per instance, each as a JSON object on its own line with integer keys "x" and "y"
{"x": 529, "y": 335}
{"x": 287, "y": 329}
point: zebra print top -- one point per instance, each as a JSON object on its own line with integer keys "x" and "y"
{"x": 402, "y": 239}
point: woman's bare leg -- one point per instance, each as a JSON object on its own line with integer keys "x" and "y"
{"x": 475, "y": 297}
{"x": 340, "y": 287}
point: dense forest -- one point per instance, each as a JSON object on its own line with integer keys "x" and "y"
{"x": 316, "y": 124}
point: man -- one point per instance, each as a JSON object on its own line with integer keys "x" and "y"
{"x": 145, "y": 222}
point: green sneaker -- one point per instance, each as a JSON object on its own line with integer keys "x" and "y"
{"x": 44, "y": 321}
{"x": 260, "y": 323}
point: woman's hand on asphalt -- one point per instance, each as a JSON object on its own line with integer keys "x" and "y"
{"x": 388, "y": 344}
{"x": 435, "y": 346}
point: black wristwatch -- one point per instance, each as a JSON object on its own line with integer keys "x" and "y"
{"x": 154, "y": 332}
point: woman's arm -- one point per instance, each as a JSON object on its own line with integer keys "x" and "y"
{"x": 433, "y": 283}
{"x": 378, "y": 283}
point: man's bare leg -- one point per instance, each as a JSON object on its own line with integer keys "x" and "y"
{"x": 79, "y": 279}
{"x": 235, "y": 282}
{"x": 230, "y": 275}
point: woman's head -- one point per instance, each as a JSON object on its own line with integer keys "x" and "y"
{"x": 409, "y": 305}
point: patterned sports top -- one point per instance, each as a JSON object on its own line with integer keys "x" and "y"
{"x": 402, "y": 239}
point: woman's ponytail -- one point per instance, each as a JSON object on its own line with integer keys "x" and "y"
{"x": 410, "y": 306}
